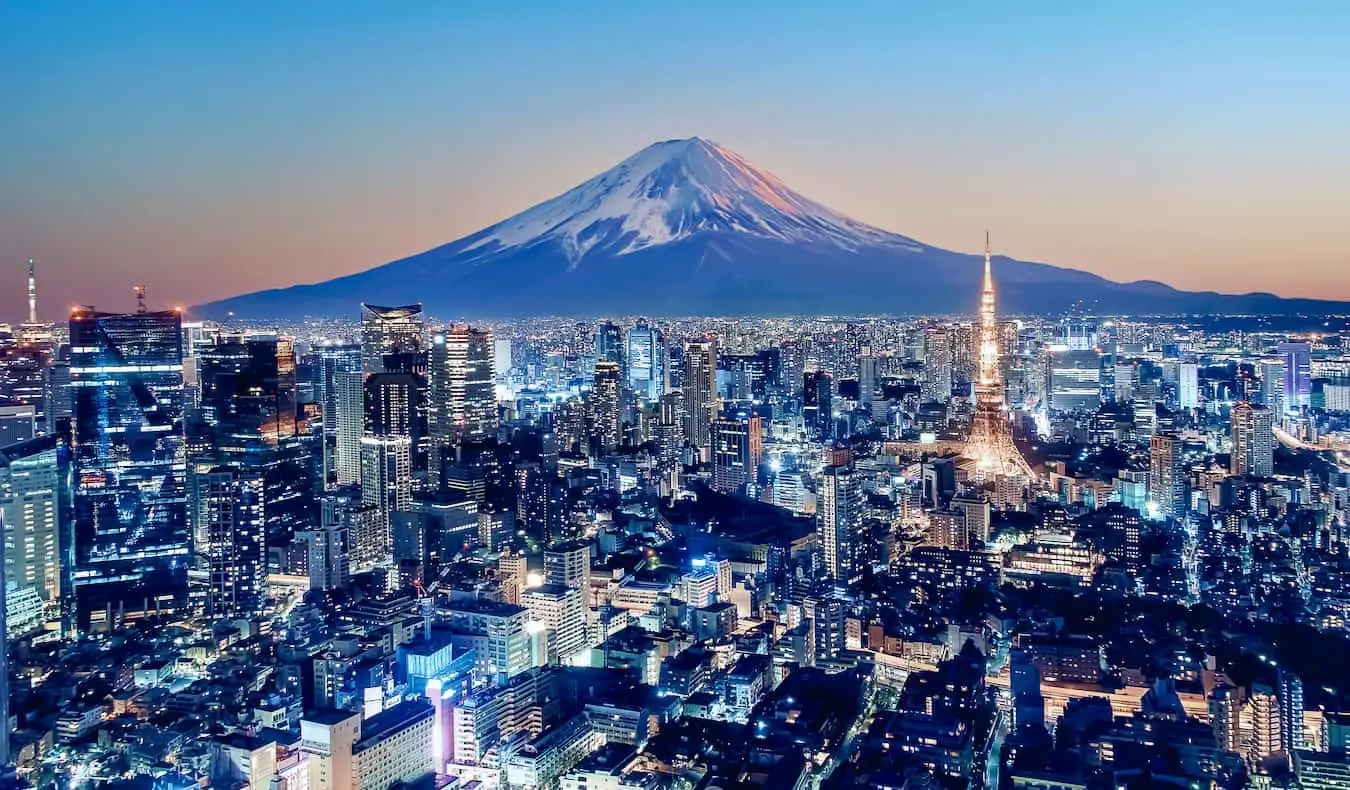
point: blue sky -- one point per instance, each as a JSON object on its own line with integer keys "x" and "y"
{"x": 213, "y": 148}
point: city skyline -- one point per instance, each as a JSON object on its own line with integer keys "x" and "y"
{"x": 232, "y": 155}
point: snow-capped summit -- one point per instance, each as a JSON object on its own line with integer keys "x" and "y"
{"x": 687, "y": 227}
{"x": 675, "y": 189}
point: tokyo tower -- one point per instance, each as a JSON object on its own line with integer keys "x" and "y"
{"x": 990, "y": 451}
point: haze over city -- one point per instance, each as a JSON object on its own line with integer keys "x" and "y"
{"x": 211, "y": 150}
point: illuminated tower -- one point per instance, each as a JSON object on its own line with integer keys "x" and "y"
{"x": 990, "y": 451}
{"x": 32, "y": 293}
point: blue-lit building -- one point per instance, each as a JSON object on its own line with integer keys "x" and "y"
{"x": 646, "y": 361}
{"x": 1297, "y": 362}
{"x": 131, "y": 523}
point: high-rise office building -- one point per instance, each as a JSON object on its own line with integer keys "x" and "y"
{"x": 248, "y": 391}
{"x": 386, "y": 483}
{"x": 646, "y": 361}
{"x": 230, "y": 541}
{"x": 1166, "y": 478}
{"x": 1297, "y": 361}
{"x": 350, "y": 409}
{"x": 394, "y": 407}
{"x": 1271, "y": 372}
{"x": 609, "y": 346}
{"x": 390, "y": 332}
{"x": 1075, "y": 377}
{"x": 791, "y": 368}
{"x": 462, "y": 401}
{"x": 35, "y": 489}
{"x": 335, "y": 360}
{"x": 131, "y": 522}
{"x": 818, "y": 404}
{"x": 938, "y": 364}
{"x": 248, "y": 419}
{"x": 868, "y": 380}
{"x": 606, "y": 406}
{"x": 541, "y": 502}
{"x": 737, "y": 448}
{"x": 701, "y": 403}
{"x": 1253, "y": 435}
{"x": 329, "y": 547}
{"x": 839, "y": 520}
{"x": 1188, "y": 385}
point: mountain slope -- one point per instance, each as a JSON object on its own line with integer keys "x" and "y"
{"x": 689, "y": 227}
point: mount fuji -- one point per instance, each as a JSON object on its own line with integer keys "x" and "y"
{"x": 688, "y": 227}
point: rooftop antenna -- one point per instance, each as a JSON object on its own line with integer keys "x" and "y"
{"x": 139, "y": 288}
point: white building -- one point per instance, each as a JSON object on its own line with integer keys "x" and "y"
{"x": 561, "y": 613}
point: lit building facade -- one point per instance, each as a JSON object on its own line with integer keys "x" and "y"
{"x": 131, "y": 523}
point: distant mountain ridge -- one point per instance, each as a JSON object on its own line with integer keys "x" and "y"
{"x": 688, "y": 227}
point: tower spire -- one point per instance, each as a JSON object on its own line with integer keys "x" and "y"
{"x": 32, "y": 292}
{"x": 988, "y": 266}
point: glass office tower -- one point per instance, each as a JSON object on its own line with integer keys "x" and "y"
{"x": 131, "y": 526}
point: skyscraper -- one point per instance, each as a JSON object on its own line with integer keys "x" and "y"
{"x": 393, "y": 403}
{"x": 1166, "y": 481}
{"x": 646, "y": 361}
{"x": 989, "y": 449}
{"x": 839, "y": 523}
{"x": 350, "y": 410}
{"x": 609, "y": 345}
{"x": 230, "y": 541}
{"x": 330, "y": 548}
{"x": 386, "y": 484}
{"x": 1272, "y": 384}
{"x": 1188, "y": 385}
{"x": 1297, "y": 361}
{"x": 248, "y": 420}
{"x": 737, "y": 449}
{"x": 791, "y": 368}
{"x": 541, "y": 502}
{"x": 938, "y": 365}
{"x": 131, "y": 526}
{"x": 606, "y": 406}
{"x": 867, "y": 379}
{"x": 700, "y": 393}
{"x": 462, "y": 402}
{"x": 818, "y": 404}
{"x": 389, "y": 331}
{"x": 35, "y": 509}
{"x": 335, "y": 359}
{"x": 1253, "y": 435}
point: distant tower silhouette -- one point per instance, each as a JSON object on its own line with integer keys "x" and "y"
{"x": 32, "y": 292}
{"x": 990, "y": 451}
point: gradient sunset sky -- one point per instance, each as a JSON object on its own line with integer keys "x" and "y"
{"x": 210, "y": 149}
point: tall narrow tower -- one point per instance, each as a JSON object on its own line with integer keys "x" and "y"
{"x": 32, "y": 292}
{"x": 990, "y": 451}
